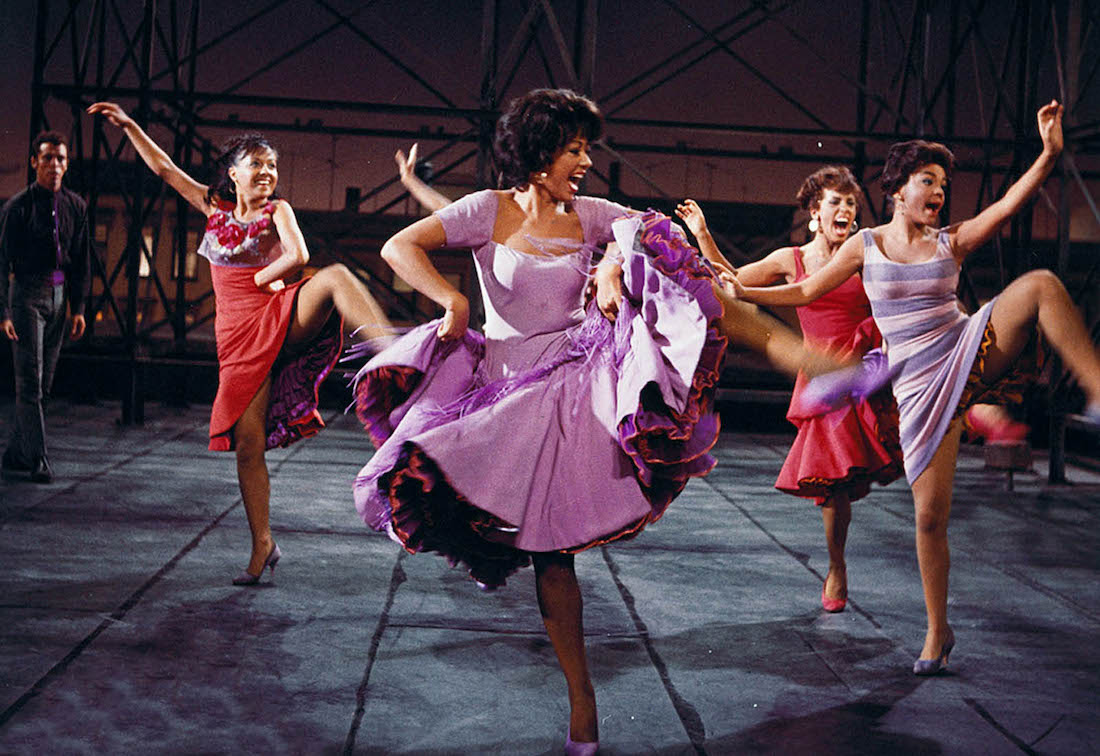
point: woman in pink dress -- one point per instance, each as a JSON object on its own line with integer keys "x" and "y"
{"x": 946, "y": 360}
{"x": 836, "y": 455}
{"x": 276, "y": 341}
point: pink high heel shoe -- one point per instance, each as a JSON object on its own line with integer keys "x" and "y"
{"x": 831, "y": 604}
{"x": 993, "y": 431}
{"x": 247, "y": 578}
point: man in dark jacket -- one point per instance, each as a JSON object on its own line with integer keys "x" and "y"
{"x": 44, "y": 242}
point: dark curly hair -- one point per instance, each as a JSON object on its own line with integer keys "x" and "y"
{"x": 56, "y": 138}
{"x": 906, "y": 157}
{"x": 534, "y": 127}
{"x": 234, "y": 148}
{"x": 835, "y": 177}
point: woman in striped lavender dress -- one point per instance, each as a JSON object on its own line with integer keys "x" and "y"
{"x": 945, "y": 360}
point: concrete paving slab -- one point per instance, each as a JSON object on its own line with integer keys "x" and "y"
{"x": 120, "y": 632}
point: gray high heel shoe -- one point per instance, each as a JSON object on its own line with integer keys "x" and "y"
{"x": 247, "y": 578}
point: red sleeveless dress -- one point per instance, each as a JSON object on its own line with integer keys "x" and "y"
{"x": 845, "y": 450}
{"x": 250, "y": 327}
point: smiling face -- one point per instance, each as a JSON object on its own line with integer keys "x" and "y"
{"x": 922, "y": 197}
{"x": 50, "y": 163}
{"x": 255, "y": 174}
{"x": 566, "y": 171}
{"x": 835, "y": 215}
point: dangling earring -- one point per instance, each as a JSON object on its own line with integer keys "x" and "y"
{"x": 814, "y": 225}
{"x": 540, "y": 176}
{"x": 855, "y": 226}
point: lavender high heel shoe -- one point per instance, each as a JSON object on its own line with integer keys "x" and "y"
{"x": 247, "y": 578}
{"x": 857, "y": 382}
{"x": 928, "y": 667}
{"x": 573, "y": 748}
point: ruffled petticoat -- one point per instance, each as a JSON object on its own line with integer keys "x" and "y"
{"x": 585, "y": 449}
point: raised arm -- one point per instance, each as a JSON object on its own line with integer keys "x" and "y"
{"x": 421, "y": 192}
{"x": 407, "y": 253}
{"x": 157, "y": 159}
{"x": 692, "y": 215}
{"x": 973, "y": 233}
{"x": 294, "y": 255}
{"x": 847, "y": 261}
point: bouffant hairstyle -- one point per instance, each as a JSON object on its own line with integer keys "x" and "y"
{"x": 835, "y": 177}
{"x": 534, "y": 127}
{"x": 234, "y": 148}
{"x": 906, "y": 157}
{"x": 55, "y": 138}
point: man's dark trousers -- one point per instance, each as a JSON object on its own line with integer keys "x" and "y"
{"x": 38, "y": 313}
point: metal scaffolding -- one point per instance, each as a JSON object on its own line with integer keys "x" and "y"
{"x": 905, "y": 77}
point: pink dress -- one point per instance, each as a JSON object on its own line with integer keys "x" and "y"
{"x": 556, "y": 430}
{"x": 845, "y": 450}
{"x": 250, "y": 326}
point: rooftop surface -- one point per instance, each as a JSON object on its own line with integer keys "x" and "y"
{"x": 120, "y": 631}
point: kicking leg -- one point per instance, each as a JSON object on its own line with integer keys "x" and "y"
{"x": 1040, "y": 298}
{"x": 335, "y": 287}
{"x": 745, "y": 324}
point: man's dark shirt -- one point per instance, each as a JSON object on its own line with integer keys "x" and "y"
{"x": 28, "y": 246}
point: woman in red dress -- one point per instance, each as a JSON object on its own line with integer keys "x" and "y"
{"x": 276, "y": 341}
{"x": 836, "y": 455}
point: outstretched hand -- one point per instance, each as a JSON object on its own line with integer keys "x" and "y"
{"x": 112, "y": 113}
{"x": 406, "y": 164}
{"x": 1050, "y": 127}
{"x": 692, "y": 215}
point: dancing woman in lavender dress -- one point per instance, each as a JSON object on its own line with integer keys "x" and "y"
{"x": 276, "y": 341}
{"x": 946, "y": 360}
{"x": 558, "y": 429}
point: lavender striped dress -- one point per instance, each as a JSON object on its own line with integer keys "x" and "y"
{"x": 927, "y": 337}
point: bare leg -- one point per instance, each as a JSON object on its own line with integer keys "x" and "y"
{"x": 932, "y": 501}
{"x": 250, "y": 440}
{"x": 836, "y": 513}
{"x": 745, "y": 324}
{"x": 561, "y": 606}
{"x": 1040, "y": 298}
{"x": 335, "y": 287}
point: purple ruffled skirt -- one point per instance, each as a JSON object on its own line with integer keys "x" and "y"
{"x": 585, "y": 449}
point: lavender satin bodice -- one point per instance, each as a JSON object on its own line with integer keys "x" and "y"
{"x": 531, "y": 299}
